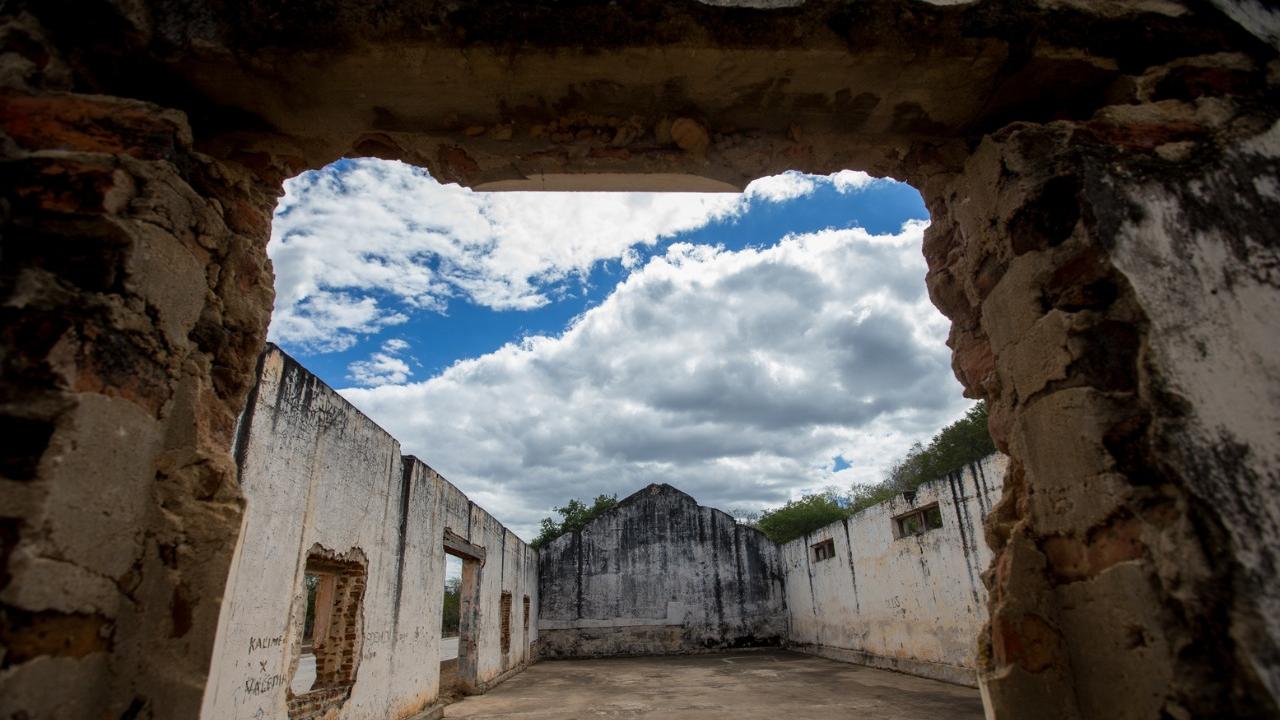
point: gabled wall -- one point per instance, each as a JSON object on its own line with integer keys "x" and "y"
{"x": 317, "y": 473}
{"x": 914, "y": 603}
{"x": 659, "y": 574}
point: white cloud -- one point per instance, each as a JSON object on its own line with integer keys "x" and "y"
{"x": 328, "y": 321}
{"x": 736, "y": 376}
{"x": 847, "y": 181}
{"x": 384, "y": 367}
{"x": 791, "y": 185}
{"x": 779, "y": 188}
{"x": 363, "y": 246}
{"x": 388, "y": 229}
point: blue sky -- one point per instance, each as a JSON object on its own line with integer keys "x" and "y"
{"x": 539, "y": 346}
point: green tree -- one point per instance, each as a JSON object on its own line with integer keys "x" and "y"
{"x": 963, "y": 441}
{"x": 574, "y": 516}
{"x": 798, "y": 517}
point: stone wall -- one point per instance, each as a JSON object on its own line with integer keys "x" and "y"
{"x": 913, "y": 603}
{"x": 326, "y": 488}
{"x": 1101, "y": 178}
{"x": 659, "y": 574}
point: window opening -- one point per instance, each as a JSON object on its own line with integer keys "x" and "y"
{"x": 526, "y": 619}
{"x": 332, "y": 593}
{"x": 506, "y": 623}
{"x": 824, "y": 550}
{"x": 918, "y": 522}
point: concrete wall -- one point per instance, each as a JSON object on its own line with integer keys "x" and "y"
{"x": 659, "y": 574}
{"x": 915, "y": 603}
{"x": 315, "y": 471}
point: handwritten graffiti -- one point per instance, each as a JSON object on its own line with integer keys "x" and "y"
{"x": 383, "y": 636}
{"x": 377, "y": 636}
{"x": 265, "y": 643}
{"x": 261, "y": 685}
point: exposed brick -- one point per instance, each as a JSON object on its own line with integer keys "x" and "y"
{"x": 93, "y": 123}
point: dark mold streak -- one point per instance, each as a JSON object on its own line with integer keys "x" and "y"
{"x": 406, "y": 484}
{"x": 958, "y": 499}
{"x": 853, "y": 573}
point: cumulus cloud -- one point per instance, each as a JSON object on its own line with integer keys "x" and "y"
{"x": 359, "y": 246}
{"x": 847, "y": 181}
{"x": 780, "y": 188}
{"x": 791, "y": 185}
{"x": 364, "y": 244}
{"x": 384, "y": 367}
{"x": 734, "y": 375}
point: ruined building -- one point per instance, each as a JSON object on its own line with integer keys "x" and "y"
{"x": 329, "y": 495}
{"x": 1102, "y": 180}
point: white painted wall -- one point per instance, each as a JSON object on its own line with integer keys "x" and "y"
{"x": 316, "y": 470}
{"x": 914, "y": 604}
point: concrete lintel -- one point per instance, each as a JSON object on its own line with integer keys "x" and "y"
{"x": 458, "y": 545}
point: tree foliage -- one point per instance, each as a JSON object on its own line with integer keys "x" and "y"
{"x": 573, "y": 516}
{"x": 801, "y": 516}
{"x": 963, "y": 441}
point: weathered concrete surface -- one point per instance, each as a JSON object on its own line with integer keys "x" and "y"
{"x": 659, "y": 574}
{"x": 317, "y": 473}
{"x": 1100, "y": 175}
{"x": 755, "y": 685}
{"x": 134, "y": 296}
{"x": 1139, "y": 502}
{"x": 912, "y": 603}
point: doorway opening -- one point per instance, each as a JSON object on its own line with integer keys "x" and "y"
{"x": 450, "y": 616}
{"x": 459, "y": 617}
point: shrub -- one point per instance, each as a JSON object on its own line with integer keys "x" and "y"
{"x": 963, "y": 441}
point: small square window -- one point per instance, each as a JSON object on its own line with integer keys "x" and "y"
{"x": 824, "y": 550}
{"x": 932, "y": 517}
{"x": 911, "y": 524}
{"x": 505, "y": 609}
{"x": 917, "y": 522}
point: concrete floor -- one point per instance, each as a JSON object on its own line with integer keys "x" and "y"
{"x": 752, "y": 685}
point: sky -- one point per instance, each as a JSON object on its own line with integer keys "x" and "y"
{"x": 536, "y": 347}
